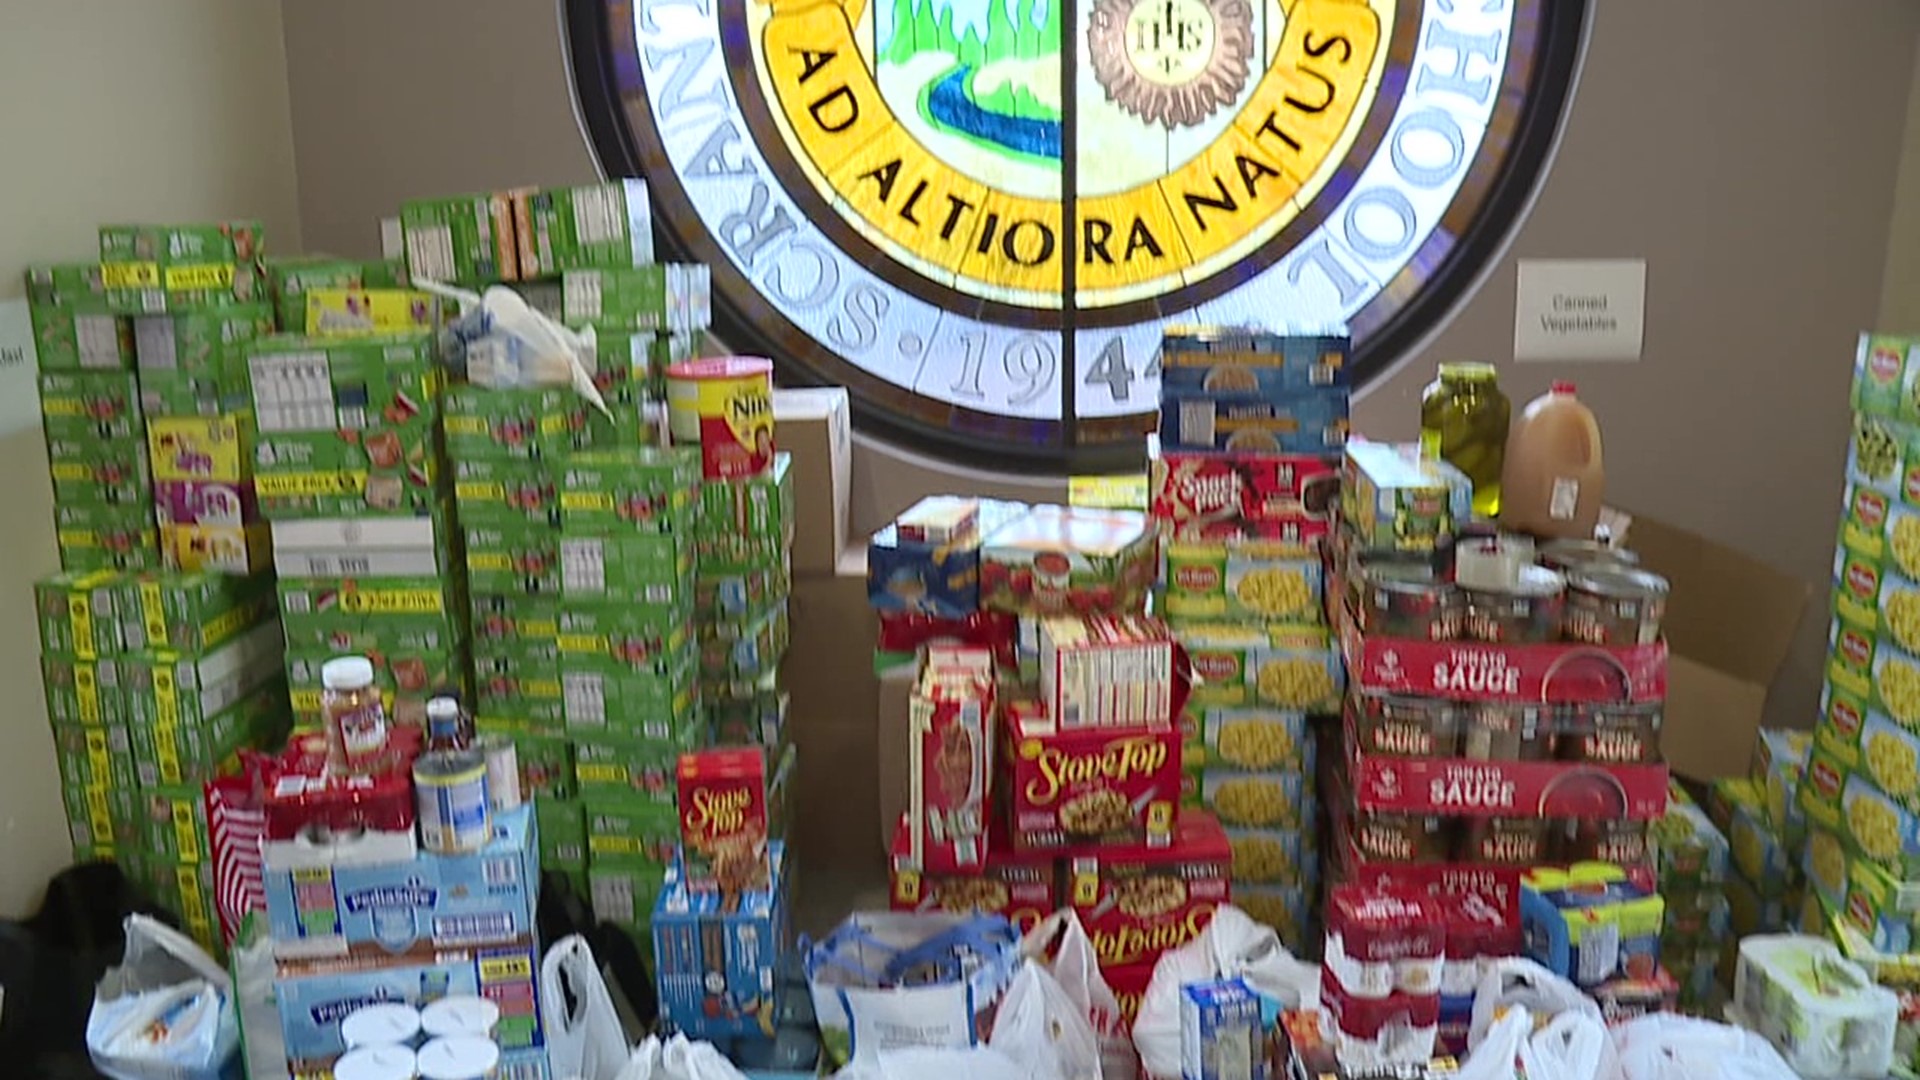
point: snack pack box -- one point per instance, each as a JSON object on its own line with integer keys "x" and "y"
{"x": 465, "y": 239}
{"x": 749, "y": 518}
{"x": 1393, "y": 500}
{"x": 346, "y": 425}
{"x": 191, "y": 613}
{"x": 615, "y": 492}
{"x": 729, "y": 594}
{"x": 229, "y": 549}
{"x": 289, "y": 277}
{"x": 1279, "y": 666}
{"x": 173, "y": 393}
{"x": 166, "y": 687}
{"x": 506, "y": 493}
{"x": 1137, "y": 902}
{"x": 1056, "y": 559}
{"x": 346, "y": 312}
{"x": 510, "y": 560}
{"x": 81, "y": 405}
{"x": 524, "y": 423}
{"x": 80, "y": 613}
{"x": 1068, "y": 787}
{"x": 563, "y": 830}
{"x": 204, "y": 341}
{"x": 623, "y": 829}
{"x": 1593, "y": 930}
{"x": 717, "y": 954}
{"x": 149, "y": 269}
{"x": 187, "y": 753}
{"x": 84, "y": 336}
{"x": 724, "y": 820}
{"x": 745, "y": 650}
{"x": 94, "y": 755}
{"x": 607, "y": 224}
{"x": 1253, "y": 580}
{"x": 648, "y": 570}
{"x": 660, "y": 296}
{"x": 390, "y": 613}
{"x": 100, "y": 471}
{"x": 83, "y": 691}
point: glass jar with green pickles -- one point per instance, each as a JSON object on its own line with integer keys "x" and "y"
{"x": 1463, "y": 421}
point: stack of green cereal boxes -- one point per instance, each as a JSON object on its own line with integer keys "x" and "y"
{"x": 154, "y": 683}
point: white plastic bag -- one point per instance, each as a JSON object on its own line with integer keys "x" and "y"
{"x": 1041, "y": 1026}
{"x": 929, "y": 1063}
{"x": 253, "y": 972}
{"x": 1076, "y": 969}
{"x": 1663, "y": 1047}
{"x": 1499, "y": 1049}
{"x": 1517, "y": 981}
{"x": 1563, "y": 1038}
{"x": 165, "y": 1013}
{"x": 1232, "y": 946}
{"x": 677, "y": 1058}
{"x": 584, "y": 1037}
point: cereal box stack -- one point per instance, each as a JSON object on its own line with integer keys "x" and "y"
{"x": 1250, "y": 429}
{"x": 95, "y": 432}
{"x": 154, "y": 682}
{"x": 1503, "y": 718}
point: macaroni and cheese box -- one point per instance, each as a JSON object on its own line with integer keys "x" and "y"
{"x": 1255, "y": 580}
{"x": 335, "y": 906}
{"x": 204, "y": 342}
{"x": 463, "y": 239}
{"x": 607, "y": 224}
{"x": 1071, "y": 787}
{"x": 1137, "y": 902}
{"x": 1292, "y": 667}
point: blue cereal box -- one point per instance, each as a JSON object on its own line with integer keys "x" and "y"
{"x": 942, "y": 580}
{"x": 314, "y": 997}
{"x": 1307, "y": 421}
{"x": 717, "y": 955}
{"x": 1220, "y": 359}
{"x": 431, "y": 902}
{"x": 1220, "y": 1032}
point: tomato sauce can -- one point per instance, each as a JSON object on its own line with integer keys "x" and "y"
{"x": 451, "y": 787}
{"x": 724, "y": 406}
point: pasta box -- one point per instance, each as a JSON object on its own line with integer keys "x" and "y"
{"x": 153, "y": 268}
{"x": 1236, "y": 579}
{"x": 641, "y": 489}
{"x": 1280, "y": 666}
{"x": 940, "y": 580}
{"x": 1074, "y": 786}
{"x": 192, "y": 613}
{"x": 660, "y": 296}
{"x": 1022, "y": 888}
{"x": 463, "y": 239}
{"x": 409, "y": 547}
{"x": 717, "y": 954}
{"x": 1216, "y": 359}
{"x": 205, "y": 341}
{"x": 1137, "y": 902}
{"x": 1307, "y": 420}
{"x": 1107, "y": 671}
{"x": 951, "y": 718}
{"x": 606, "y": 224}
{"x": 506, "y": 492}
{"x": 1059, "y": 559}
{"x": 90, "y": 405}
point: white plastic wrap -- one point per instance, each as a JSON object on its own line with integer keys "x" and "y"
{"x": 1232, "y": 946}
{"x": 165, "y": 1013}
{"x": 1819, "y": 1009}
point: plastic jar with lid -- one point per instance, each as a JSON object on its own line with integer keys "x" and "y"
{"x": 356, "y": 721}
{"x": 1463, "y": 421}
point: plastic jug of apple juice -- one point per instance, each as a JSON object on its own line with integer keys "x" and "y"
{"x": 1553, "y": 481}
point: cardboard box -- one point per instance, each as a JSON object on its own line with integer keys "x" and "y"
{"x": 190, "y": 753}
{"x": 172, "y": 393}
{"x": 816, "y": 427}
{"x": 83, "y": 691}
{"x": 624, "y": 829}
{"x": 1122, "y": 931}
{"x": 148, "y": 269}
{"x": 188, "y": 689}
{"x": 90, "y": 405}
{"x": 670, "y": 297}
{"x": 750, "y": 519}
{"x": 100, "y": 471}
{"x": 563, "y": 831}
{"x": 230, "y": 549}
{"x": 80, "y": 337}
{"x": 608, "y": 224}
{"x": 717, "y": 954}
{"x": 203, "y": 342}
{"x": 79, "y": 613}
{"x": 364, "y": 548}
{"x": 505, "y": 493}
{"x": 94, "y": 754}
{"x": 191, "y": 613}
{"x": 466, "y": 239}
{"x": 620, "y": 492}
{"x": 629, "y": 767}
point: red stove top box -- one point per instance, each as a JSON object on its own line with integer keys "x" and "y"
{"x": 1024, "y": 888}
{"x": 1065, "y": 788}
{"x": 1137, "y": 901}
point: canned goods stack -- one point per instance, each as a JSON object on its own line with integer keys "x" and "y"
{"x": 1502, "y": 723}
{"x": 1243, "y": 484}
{"x": 154, "y": 682}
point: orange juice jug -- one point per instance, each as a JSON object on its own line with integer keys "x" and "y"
{"x": 1552, "y": 481}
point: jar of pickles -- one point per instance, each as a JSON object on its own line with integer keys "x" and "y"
{"x": 1463, "y": 421}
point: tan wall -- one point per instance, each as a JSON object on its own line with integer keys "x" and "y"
{"x": 1750, "y": 157}
{"x": 114, "y": 111}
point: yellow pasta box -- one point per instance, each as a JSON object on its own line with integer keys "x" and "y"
{"x": 1739, "y": 806}
{"x": 1876, "y": 902}
{"x": 1282, "y": 666}
{"x": 1251, "y": 738}
{"x": 1872, "y": 669}
{"x": 1883, "y": 526}
{"x": 1273, "y": 857}
{"x": 1874, "y": 595}
{"x": 1868, "y": 823}
{"x": 1259, "y": 800}
{"x": 1259, "y": 580}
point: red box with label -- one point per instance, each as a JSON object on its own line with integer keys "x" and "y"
{"x": 1023, "y": 888}
{"x": 1476, "y": 671}
{"x": 907, "y": 631}
{"x": 1083, "y": 786}
{"x": 1471, "y": 788}
{"x": 1137, "y": 902}
{"x": 1129, "y": 985}
{"x": 950, "y": 737}
{"x": 1202, "y": 491}
{"x": 723, "y": 820}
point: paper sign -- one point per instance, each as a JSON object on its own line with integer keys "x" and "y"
{"x": 1592, "y": 309}
{"x": 19, "y": 370}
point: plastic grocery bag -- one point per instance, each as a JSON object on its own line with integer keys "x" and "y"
{"x": 584, "y": 1037}
{"x": 1664, "y": 1047}
{"x": 251, "y": 963}
{"x": 888, "y": 979}
{"x": 1061, "y": 945}
{"x": 1516, "y": 981}
{"x": 1232, "y": 946}
{"x": 1040, "y": 1025}
{"x": 166, "y": 1013}
{"x": 676, "y": 1058}
{"x": 501, "y": 342}
{"x": 931, "y": 1063}
{"x": 1563, "y": 1037}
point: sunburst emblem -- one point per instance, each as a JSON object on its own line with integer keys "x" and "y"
{"x": 1173, "y": 63}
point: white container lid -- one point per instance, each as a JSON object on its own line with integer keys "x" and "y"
{"x": 440, "y": 708}
{"x": 459, "y": 1058}
{"x": 386, "y": 1024}
{"x": 459, "y": 1014}
{"x": 376, "y": 1063}
{"x": 347, "y": 673}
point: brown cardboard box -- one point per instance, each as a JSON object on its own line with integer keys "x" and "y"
{"x": 1729, "y": 624}
{"x": 815, "y": 426}
{"x": 828, "y": 673}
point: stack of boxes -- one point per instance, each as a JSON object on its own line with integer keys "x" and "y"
{"x": 1250, "y": 431}
{"x": 1766, "y": 836}
{"x": 1692, "y": 865}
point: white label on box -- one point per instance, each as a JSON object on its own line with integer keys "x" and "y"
{"x": 19, "y": 367}
{"x": 1592, "y": 309}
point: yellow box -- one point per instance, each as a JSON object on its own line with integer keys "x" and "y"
{"x": 216, "y": 448}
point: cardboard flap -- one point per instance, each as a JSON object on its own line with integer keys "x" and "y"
{"x": 1711, "y": 721}
{"x": 1725, "y": 609}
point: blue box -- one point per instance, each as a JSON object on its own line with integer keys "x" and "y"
{"x": 1220, "y": 1032}
{"x": 1217, "y": 359}
{"x": 432, "y": 901}
{"x": 716, "y": 958}
{"x": 314, "y": 997}
{"x": 942, "y": 580}
{"x": 1308, "y": 421}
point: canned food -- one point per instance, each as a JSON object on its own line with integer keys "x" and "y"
{"x": 1614, "y": 734}
{"x": 1403, "y": 838}
{"x": 1569, "y": 555}
{"x": 1526, "y": 612}
{"x": 1615, "y": 605}
{"x": 1508, "y": 731}
{"x": 1505, "y": 841}
{"x": 1408, "y": 600}
{"x": 451, "y": 788}
{"x": 1395, "y": 725}
{"x": 1622, "y": 843}
{"x": 724, "y": 406}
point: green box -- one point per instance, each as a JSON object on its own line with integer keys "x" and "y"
{"x": 653, "y": 570}
{"x": 405, "y": 680}
{"x": 205, "y": 342}
{"x": 173, "y": 394}
{"x": 171, "y": 823}
{"x": 94, "y": 755}
{"x": 619, "y": 492}
{"x": 643, "y": 638}
{"x": 530, "y": 692}
{"x": 347, "y": 426}
{"x": 750, "y": 521}
{"x": 607, "y": 224}
{"x": 514, "y": 560}
{"x": 722, "y": 592}
{"x": 734, "y": 652}
{"x": 671, "y": 297}
{"x": 185, "y": 689}
{"x": 509, "y": 620}
{"x": 83, "y": 691}
{"x": 75, "y": 337}
{"x": 101, "y": 818}
{"x": 563, "y": 831}
{"x": 750, "y": 720}
{"x": 517, "y": 424}
{"x": 148, "y": 269}
{"x": 186, "y": 890}
{"x": 464, "y": 239}
{"x": 187, "y": 753}
{"x": 290, "y": 277}
{"x": 90, "y": 469}
{"x": 624, "y": 895}
{"x": 80, "y": 613}
{"x": 192, "y": 613}
{"x": 374, "y": 634}
{"x": 1886, "y": 369}
{"x": 629, "y": 768}
{"x": 623, "y": 357}
{"x": 624, "y": 829}
{"x": 103, "y": 536}
{"x": 66, "y": 284}
{"x": 502, "y": 493}
{"x": 605, "y": 693}
{"x": 546, "y": 758}
{"x": 90, "y": 405}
